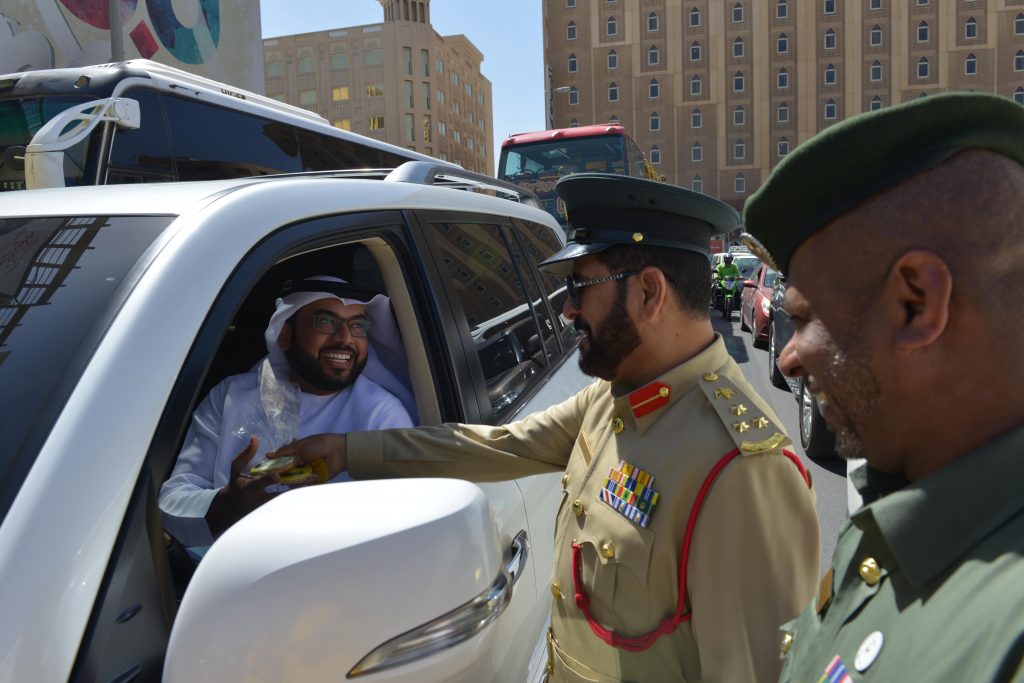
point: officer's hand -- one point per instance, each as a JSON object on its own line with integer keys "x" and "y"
{"x": 242, "y": 494}
{"x": 331, "y": 448}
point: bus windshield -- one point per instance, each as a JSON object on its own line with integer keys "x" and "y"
{"x": 20, "y": 120}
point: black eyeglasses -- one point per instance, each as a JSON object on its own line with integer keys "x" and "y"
{"x": 325, "y": 323}
{"x": 573, "y": 288}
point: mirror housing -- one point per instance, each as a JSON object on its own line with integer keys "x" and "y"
{"x": 310, "y": 584}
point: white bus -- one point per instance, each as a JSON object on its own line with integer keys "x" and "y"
{"x": 140, "y": 121}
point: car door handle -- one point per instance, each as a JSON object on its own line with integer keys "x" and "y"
{"x": 520, "y": 551}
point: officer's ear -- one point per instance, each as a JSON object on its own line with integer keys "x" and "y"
{"x": 653, "y": 291}
{"x": 919, "y": 293}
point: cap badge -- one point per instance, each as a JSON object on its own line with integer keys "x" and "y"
{"x": 630, "y": 491}
{"x": 638, "y": 237}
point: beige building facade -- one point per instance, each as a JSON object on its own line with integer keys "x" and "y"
{"x": 398, "y": 81}
{"x": 717, "y": 92}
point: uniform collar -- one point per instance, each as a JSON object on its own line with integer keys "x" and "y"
{"x": 646, "y": 404}
{"x": 930, "y": 524}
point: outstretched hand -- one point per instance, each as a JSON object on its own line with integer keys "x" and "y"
{"x": 242, "y": 494}
{"x": 331, "y": 448}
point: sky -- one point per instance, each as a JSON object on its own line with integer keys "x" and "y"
{"x": 511, "y": 42}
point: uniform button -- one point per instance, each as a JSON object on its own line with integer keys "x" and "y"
{"x": 565, "y": 479}
{"x": 870, "y": 572}
{"x": 577, "y": 507}
{"x": 618, "y": 425}
{"x": 608, "y": 550}
{"x": 787, "y": 642}
{"x": 556, "y": 590}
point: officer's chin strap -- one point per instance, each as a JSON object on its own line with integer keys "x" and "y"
{"x": 639, "y": 643}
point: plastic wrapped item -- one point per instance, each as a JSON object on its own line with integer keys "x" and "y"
{"x": 275, "y": 419}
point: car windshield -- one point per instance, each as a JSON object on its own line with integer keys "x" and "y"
{"x": 58, "y": 282}
{"x": 748, "y": 265}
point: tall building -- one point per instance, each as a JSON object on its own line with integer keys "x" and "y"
{"x": 716, "y": 92}
{"x": 398, "y": 81}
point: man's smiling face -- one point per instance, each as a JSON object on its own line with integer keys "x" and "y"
{"x": 324, "y": 362}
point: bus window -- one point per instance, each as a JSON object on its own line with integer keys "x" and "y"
{"x": 211, "y": 142}
{"x": 323, "y": 153}
{"x": 22, "y": 118}
{"x": 142, "y": 154}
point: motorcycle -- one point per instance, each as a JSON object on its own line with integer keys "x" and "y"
{"x": 728, "y": 296}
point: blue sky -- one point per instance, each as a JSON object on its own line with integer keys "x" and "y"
{"x": 511, "y": 42}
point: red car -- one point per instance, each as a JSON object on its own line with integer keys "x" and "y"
{"x": 755, "y": 304}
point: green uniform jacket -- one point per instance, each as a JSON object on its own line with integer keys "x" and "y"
{"x": 927, "y": 581}
{"x": 754, "y": 558}
{"x": 724, "y": 270}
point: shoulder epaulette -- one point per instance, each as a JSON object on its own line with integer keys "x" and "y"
{"x": 751, "y": 430}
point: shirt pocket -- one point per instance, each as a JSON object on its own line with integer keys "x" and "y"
{"x": 615, "y": 557}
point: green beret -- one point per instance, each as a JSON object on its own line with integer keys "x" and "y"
{"x": 605, "y": 209}
{"x": 863, "y": 155}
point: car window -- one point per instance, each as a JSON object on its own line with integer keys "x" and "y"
{"x": 501, "y": 320}
{"x": 770, "y": 277}
{"x": 59, "y": 279}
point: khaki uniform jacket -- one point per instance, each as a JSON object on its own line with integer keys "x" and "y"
{"x": 755, "y": 553}
{"x": 927, "y": 581}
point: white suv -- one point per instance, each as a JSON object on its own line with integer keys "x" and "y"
{"x": 121, "y": 306}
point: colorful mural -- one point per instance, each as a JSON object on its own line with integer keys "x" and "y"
{"x": 219, "y": 39}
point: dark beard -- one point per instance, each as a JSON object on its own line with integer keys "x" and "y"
{"x": 306, "y": 366}
{"x": 615, "y": 339}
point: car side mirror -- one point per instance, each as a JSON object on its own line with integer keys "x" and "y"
{"x": 334, "y": 581}
{"x": 749, "y": 283}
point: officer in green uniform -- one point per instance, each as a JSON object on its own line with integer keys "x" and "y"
{"x": 655, "y": 579}
{"x": 727, "y": 268}
{"x": 911, "y": 340}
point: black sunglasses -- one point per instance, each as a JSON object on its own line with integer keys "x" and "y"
{"x": 573, "y": 288}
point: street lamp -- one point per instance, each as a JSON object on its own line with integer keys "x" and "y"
{"x": 551, "y": 103}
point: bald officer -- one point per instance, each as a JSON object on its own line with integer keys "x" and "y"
{"x": 655, "y": 578}
{"x": 912, "y": 342}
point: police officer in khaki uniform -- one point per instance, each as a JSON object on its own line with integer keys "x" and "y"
{"x": 687, "y": 532}
{"x": 911, "y": 338}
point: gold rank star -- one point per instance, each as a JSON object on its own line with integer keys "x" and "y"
{"x": 741, "y": 426}
{"x": 761, "y": 422}
{"x": 738, "y": 410}
{"x": 724, "y": 392}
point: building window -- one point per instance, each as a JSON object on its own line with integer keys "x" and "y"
{"x": 407, "y": 61}
{"x": 575, "y": 123}
{"x": 655, "y": 121}
{"x": 737, "y": 13}
{"x": 696, "y": 121}
{"x": 307, "y": 98}
{"x": 783, "y": 78}
{"x": 694, "y": 17}
{"x": 738, "y": 82}
{"x": 695, "y": 52}
{"x": 410, "y": 131}
{"x": 737, "y": 47}
{"x": 830, "y": 75}
{"x": 783, "y": 147}
{"x": 697, "y": 184}
{"x": 970, "y": 65}
{"x": 344, "y": 124}
{"x": 613, "y": 59}
{"x": 696, "y": 152}
{"x": 340, "y": 93}
{"x": 971, "y": 28}
{"x": 375, "y": 123}
{"x": 739, "y": 150}
{"x": 613, "y": 92}
{"x": 1018, "y": 61}
{"x": 830, "y": 39}
{"x": 922, "y": 3}
{"x": 922, "y": 67}
{"x": 782, "y": 44}
{"x": 655, "y": 155}
{"x": 614, "y": 119}
{"x": 574, "y": 95}
{"x": 783, "y": 112}
{"x": 573, "y": 66}
{"x": 375, "y": 90}
{"x": 875, "y": 4}
{"x": 1018, "y": 25}
{"x": 830, "y": 109}
{"x": 830, "y": 6}
{"x": 695, "y": 85}
{"x": 439, "y": 66}
{"x": 1018, "y": 95}
{"x": 653, "y": 56}
{"x": 613, "y": 26}
{"x": 425, "y": 63}
{"x": 570, "y": 3}
{"x": 275, "y": 69}
{"x": 740, "y": 184}
{"x": 653, "y": 89}
{"x": 426, "y": 95}
{"x": 739, "y": 116}
{"x": 876, "y": 71}
{"x": 407, "y": 94}
{"x": 570, "y": 31}
{"x": 652, "y": 23}
{"x": 876, "y": 35}
{"x": 782, "y": 9}
{"x": 876, "y": 103}
{"x": 922, "y": 32}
